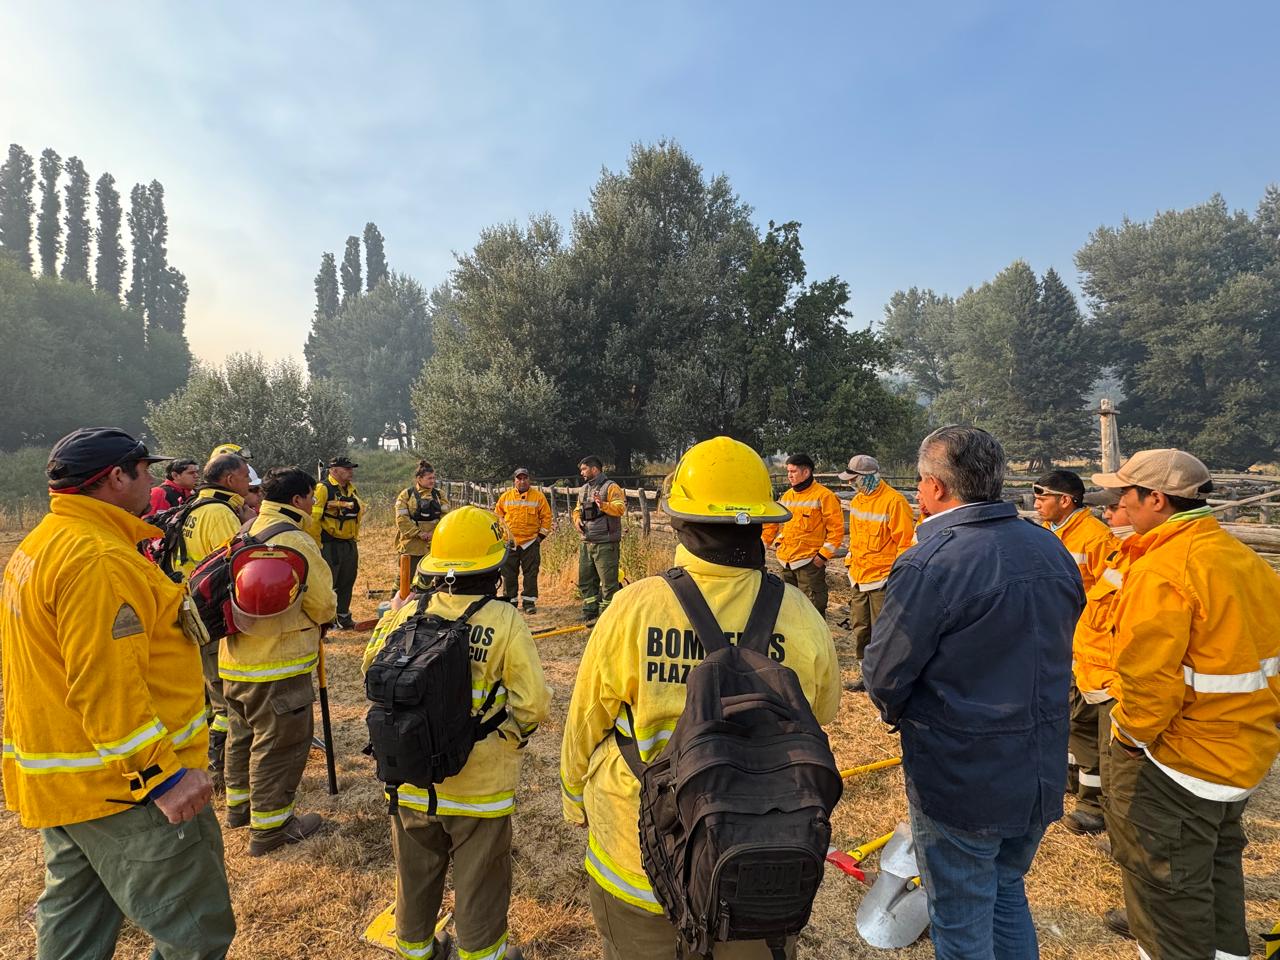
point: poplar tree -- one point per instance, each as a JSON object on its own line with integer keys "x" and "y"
{"x": 326, "y": 310}
{"x": 17, "y": 177}
{"x": 351, "y": 270}
{"x": 140, "y": 231}
{"x": 75, "y": 267}
{"x": 108, "y": 274}
{"x": 375, "y": 257}
{"x": 48, "y": 229}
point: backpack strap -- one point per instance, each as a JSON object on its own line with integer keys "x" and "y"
{"x": 695, "y": 608}
{"x": 273, "y": 531}
{"x": 764, "y": 614}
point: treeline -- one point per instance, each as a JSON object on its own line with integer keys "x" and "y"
{"x": 1184, "y": 323}
{"x": 74, "y": 353}
{"x": 664, "y": 317}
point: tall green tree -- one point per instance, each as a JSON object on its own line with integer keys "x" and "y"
{"x": 921, "y": 325}
{"x": 351, "y": 270}
{"x": 108, "y": 274}
{"x": 1190, "y": 303}
{"x": 17, "y": 177}
{"x": 75, "y": 265}
{"x": 167, "y": 289}
{"x": 48, "y": 227}
{"x": 326, "y": 309}
{"x": 375, "y": 256}
{"x": 140, "y": 232}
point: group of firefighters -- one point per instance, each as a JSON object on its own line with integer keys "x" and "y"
{"x": 1173, "y": 704}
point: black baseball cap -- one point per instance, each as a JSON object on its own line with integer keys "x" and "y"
{"x": 343, "y": 462}
{"x": 85, "y": 455}
{"x": 521, "y": 472}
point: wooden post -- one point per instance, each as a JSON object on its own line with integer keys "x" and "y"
{"x": 1111, "y": 458}
{"x": 644, "y": 510}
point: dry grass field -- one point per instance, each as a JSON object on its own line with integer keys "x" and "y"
{"x": 314, "y": 900}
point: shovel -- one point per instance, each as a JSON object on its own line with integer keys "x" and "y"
{"x": 895, "y": 911}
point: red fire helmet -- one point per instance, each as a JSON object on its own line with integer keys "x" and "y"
{"x": 266, "y": 581}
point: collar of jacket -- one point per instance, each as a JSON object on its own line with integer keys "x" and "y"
{"x": 271, "y": 509}
{"x": 971, "y": 513}
{"x": 99, "y": 513}
{"x": 348, "y": 489}
{"x": 599, "y": 481}
{"x": 1071, "y": 517}
{"x": 211, "y": 492}
{"x": 803, "y": 485}
{"x": 882, "y": 490}
{"x": 1191, "y": 521}
{"x": 705, "y": 568}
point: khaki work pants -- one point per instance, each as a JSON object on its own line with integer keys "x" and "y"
{"x": 520, "y": 561}
{"x": 597, "y": 575}
{"x": 219, "y": 724}
{"x": 1181, "y": 859}
{"x": 480, "y": 849}
{"x": 864, "y": 610}
{"x": 271, "y": 728}
{"x": 169, "y": 879}
{"x": 1090, "y": 740}
{"x": 812, "y": 581}
{"x": 343, "y": 558}
{"x": 630, "y": 933}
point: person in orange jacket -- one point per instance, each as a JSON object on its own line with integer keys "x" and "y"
{"x": 525, "y": 511}
{"x": 812, "y": 536}
{"x": 1197, "y": 707}
{"x": 881, "y": 528}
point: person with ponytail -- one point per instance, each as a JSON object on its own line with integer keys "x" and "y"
{"x": 419, "y": 508}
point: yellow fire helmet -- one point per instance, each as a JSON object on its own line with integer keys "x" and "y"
{"x": 235, "y": 448}
{"x": 722, "y": 480}
{"x": 468, "y": 540}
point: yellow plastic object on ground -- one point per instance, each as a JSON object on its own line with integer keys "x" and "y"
{"x": 868, "y": 767}
{"x": 382, "y": 932}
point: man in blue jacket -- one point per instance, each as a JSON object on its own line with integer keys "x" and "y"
{"x": 971, "y": 658}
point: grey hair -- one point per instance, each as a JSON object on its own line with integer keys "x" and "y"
{"x": 968, "y": 461}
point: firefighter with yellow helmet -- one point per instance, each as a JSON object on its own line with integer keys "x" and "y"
{"x": 632, "y": 680}
{"x": 471, "y": 825}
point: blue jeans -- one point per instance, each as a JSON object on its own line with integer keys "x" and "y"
{"x": 977, "y": 903}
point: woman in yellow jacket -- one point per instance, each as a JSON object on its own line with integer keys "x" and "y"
{"x": 472, "y": 823}
{"x": 1197, "y": 704}
{"x": 419, "y": 509}
{"x": 638, "y": 657}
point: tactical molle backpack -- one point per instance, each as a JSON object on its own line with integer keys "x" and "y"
{"x": 425, "y": 510}
{"x": 734, "y": 815}
{"x": 421, "y": 725}
{"x": 208, "y": 614}
{"x": 169, "y": 551}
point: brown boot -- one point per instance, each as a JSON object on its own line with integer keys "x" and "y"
{"x": 295, "y": 831}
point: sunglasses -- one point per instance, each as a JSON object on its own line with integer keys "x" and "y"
{"x": 1040, "y": 491}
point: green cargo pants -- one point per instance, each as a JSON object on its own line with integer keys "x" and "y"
{"x": 1090, "y": 738}
{"x": 480, "y": 849}
{"x": 1181, "y": 859}
{"x": 343, "y": 558}
{"x": 271, "y": 728}
{"x": 597, "y": 575}
{"x": 630, "y": 933}
{"x": 864, "y": 609}
{"x": 812, "y": 581}
{"x": 168, "y": 879}
{"x": 524, "y": 561}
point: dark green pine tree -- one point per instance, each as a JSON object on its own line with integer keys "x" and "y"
{"x": 48, "y": 228}
{"x": 375, "y": 257}
{"x": 326, "y": 310}
{"x": 140, "y": 231}
{"x": 108, "y": 274}
{"x": 351, "y": 270}
{"x": 75, "y": 266}
{"x": 17, "y": 177}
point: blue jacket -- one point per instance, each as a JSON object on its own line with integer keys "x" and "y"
{"x": 971, "y": 657}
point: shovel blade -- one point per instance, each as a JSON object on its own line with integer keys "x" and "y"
{"x": 894, "y": 913}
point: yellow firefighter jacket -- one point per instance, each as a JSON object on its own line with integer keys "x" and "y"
{"x": 1093, "y": 647}
{"x": 1088, "y": 540}
{"x": 287, "y": 645}
{"x": 816, "y": 526}
{"x": 1198, "y": 626}
{"x": 881, "y": 528}
{"x": 413, "y": 504}
{"x": 503, "y": 654}
{"x": 337, "y": 510}
{"x": 527, "y": 515}
{"x": 104, "y": 699}
{"x": 209, "y": 527}
{"x": 640, "y": 654}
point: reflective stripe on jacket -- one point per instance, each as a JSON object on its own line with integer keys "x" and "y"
{"x": 287, "y": 645}
{"x": 329, "y": 502}
{"x": 816, "y": 526}
{"x": 1088, "y": 540}
{"x": 408, "y": 541}
{"x": 1198, "y": 625}
{"x": 103, "y": 695}
{"x": 527, "y": 515}
{"x": 1093, "y": 646}
{"x": 881, "y": 528}
{"x": 606, "y": 526}
{"x": 640, "y": 654}
{"x": 207, "y": 528}
{"x": 503, "y": 655}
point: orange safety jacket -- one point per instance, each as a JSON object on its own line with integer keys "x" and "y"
{"x": 816, "y": 526}
{"x": 1088, "y": 540}
{"x": 1093, "y": 647}
{"x": 1198, "y": 629}
{"x": 527, "y": 515}
{"x": 881, "y": 528}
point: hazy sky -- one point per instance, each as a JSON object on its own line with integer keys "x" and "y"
{"x": 919, "y": 143}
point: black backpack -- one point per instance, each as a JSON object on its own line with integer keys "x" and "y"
{"x": 735, "y": 813}
{"x": 425, "y": 511}
{"x": 421, "y": 725}
{"x": 169, "y": 551}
